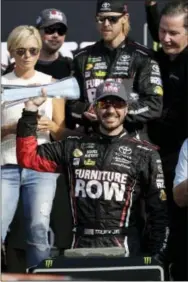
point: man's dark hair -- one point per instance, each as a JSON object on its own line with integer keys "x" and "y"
{"x": 176, "y": 8}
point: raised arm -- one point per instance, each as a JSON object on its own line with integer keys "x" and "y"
{"x": 47, "y": 157}
{"x": 152, "y": 16}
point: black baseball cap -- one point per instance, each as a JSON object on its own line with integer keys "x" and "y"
{"x": 113, "y": 88}
{"x": 118, "y": 6}
{"x": 50, "y": 17}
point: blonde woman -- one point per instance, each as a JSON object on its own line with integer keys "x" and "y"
{"x": 37, "y": 189}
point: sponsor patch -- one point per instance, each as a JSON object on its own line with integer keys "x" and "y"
{"x": 100, "y": 73}
{"x": 124, "y": 150}
{"x": 76, "y": 161}
{"x": 77, "y": 153}
{"x": 89, "y": 162}
{"x": 162, "y": 195}
{"x": 125, "y": 58}
{"x": 92, "y": 60}
{"x": 89, "y": 66}
{"x": 156, "y": 80}
{"x": 156, "y": 69}
{"x": 158, "y": 90}
{"x": 87, "y": 74}
{"x": 160, "y": 183}
{"x": 160, "y": 169}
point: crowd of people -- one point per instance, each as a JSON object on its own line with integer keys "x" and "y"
{"x": 109, "y": 169}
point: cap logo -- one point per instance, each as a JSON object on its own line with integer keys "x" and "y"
{"x": 55, "y": 15}
{"x": 105, "y": 6}
{"x": 125, "y": 8}
{"x": 111, "y": 88}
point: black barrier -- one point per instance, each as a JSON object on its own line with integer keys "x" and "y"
{"x": 104, "y": 268}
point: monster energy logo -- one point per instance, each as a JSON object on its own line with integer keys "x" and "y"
{"x": 48, "y": 263}
{"x": 147, "y": 260}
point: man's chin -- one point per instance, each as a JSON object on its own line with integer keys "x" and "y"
{"x": 170, "y": 51}
{"x": 109, "y": 127}
{"x": 52, "y": 49}
{"x": 107, "y": 37}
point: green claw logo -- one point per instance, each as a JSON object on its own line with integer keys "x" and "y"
{"x": 48, "y": 263}
{"x": 147, "y": 260}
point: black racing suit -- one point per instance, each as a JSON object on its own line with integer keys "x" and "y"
{"x": 108, "y": 177}
{"x": 130, "y": 61}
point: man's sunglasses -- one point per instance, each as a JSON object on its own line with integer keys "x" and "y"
{"x": 52, "y": 29}
{"x": 111, "y": 19}
{"x": 22, "y": 51}
{"x": 104, "y": 104}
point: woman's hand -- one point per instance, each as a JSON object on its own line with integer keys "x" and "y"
{"x": 45, "y": 124}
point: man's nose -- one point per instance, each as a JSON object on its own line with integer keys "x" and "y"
{"x": 55, "y": 34}
{"x": 110, "y": 108}
{"x": 106, "y": 22}
{"x": 166, "y": 37}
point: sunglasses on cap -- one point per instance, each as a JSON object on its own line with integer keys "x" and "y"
{"x": 104, "y": 104}
{"x": 22, "y": 51}
{"x": 53, "y": 29}
{"x": 111, "y": 19}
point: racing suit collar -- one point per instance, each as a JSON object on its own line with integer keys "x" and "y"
{"x": 121, "y": 45}
{"x": 112, "y": 139}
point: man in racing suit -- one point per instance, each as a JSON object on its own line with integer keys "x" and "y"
{"x": 117, "y": 57}
{"x": 109, "y": 174}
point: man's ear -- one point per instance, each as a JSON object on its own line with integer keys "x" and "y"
{"x": 95, "y": 108}
{"x": 126, "y": 109}
{"x": 125, "y": 17}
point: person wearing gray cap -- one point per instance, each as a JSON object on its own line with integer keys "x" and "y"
{"x": 52, "y": 25}
{"x": 109, "y": 173}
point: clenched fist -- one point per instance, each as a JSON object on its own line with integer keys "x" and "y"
{"x": 33, "y": 103}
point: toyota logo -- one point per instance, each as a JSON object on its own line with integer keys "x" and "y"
{"x": 125, "y": 150}
{"x": 105, "y": 5}
{"x": 125, "y": 58}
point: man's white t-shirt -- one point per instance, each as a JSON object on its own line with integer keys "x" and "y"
{"x": 182, "y": 165}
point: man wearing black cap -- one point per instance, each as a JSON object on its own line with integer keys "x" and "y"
{"x": 108, "y": 175}
{"x": 115, "y": 56}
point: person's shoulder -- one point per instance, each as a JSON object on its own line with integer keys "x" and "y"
{"x": 87, "y": 50}
{"x": 143, "y": 145}
{"x": 140, "y": 49}
{"x": 43, "y": 76}
{"x": 64, "y": 59}
{"x": 5, "y": 79}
